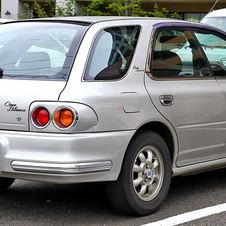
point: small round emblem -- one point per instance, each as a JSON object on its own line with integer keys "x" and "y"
{"x": 149, "y": 173}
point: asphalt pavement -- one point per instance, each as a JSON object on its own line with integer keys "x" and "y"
{"x": 34, "y": 203}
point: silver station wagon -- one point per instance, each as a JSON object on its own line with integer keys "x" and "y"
{"x": 128, "y": 101}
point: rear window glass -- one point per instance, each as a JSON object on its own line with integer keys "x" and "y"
{"x": 112, "y": 53}
{"x": 34, "y": 50}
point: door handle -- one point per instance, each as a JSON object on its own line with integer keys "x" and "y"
{"x": 166, "y": 100}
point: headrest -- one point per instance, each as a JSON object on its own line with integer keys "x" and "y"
{"x": 166, "y": 64}
{"x": 172, "y": 39}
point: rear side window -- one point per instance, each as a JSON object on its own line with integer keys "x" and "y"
{"x": 177, "y": 54}
{"x": 112, "y": 53}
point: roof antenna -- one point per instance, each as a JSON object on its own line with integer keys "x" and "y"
{"x": 214, "y": 5}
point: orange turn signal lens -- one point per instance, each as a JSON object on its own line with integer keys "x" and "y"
{"x": 63, "y": 118}
{"x": 66, "y": 118}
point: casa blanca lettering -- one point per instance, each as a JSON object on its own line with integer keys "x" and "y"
{"x": 13, "y": 107}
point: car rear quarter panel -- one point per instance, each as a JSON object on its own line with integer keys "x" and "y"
{"x": 120, "y": 105}
{"x": 110, "y": 99}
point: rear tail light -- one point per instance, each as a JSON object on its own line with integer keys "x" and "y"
{"x": 40, "y": 117}
{"x": 64, "y": 118}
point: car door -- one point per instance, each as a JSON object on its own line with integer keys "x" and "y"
{"x": 181, "y": 86}
{"x": 214, "y": 46}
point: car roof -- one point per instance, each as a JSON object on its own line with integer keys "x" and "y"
{"x": 217, "y": 13}
{"x": 98, "y": 19}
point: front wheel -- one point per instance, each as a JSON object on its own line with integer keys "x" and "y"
{"x": 5, "y": 183}
{"x": 144, "y": 181}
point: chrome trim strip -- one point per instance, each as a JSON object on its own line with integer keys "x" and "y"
{"x": 200, "y": 167}
{"x": 54, "y": 168}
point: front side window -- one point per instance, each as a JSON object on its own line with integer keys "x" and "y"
{"x": 112, "y": 53}
{"x": 34, "y": 50}
{"x": 214, "y": 47}
{"x": 177, "y": 54}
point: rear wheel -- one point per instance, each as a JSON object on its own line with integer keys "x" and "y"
{"x": 145, "y": 176}
{"x": 5, "y": 183}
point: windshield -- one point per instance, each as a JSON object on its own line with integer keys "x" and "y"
{"x": 219, "y": 22}
{"x": 35, "y": 50}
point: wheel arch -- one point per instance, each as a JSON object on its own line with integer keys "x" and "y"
{"x": 162, "y": 130}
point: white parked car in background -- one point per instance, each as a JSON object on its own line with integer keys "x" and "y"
{"x": 4, "y": 20}
{"x": 128, "y": 101}
{"x": 216, "y": 18}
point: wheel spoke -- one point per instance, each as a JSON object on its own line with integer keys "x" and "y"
{"x": 143, "y": 189}
{"x": 156, "y": 163}
{"x": 156, "y": 178}
{"x": 142, "y": 157}
{"x": 150, "y": 156}
{"x": 137, "y": 168}
{"x": 151, "y": 188}
{"x": 137, "y": 181}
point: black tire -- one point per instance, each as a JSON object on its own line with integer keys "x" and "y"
{"x": 5, "y": 183}
{"x": 145, "y": 177}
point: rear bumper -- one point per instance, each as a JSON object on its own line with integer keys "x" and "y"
{"x": 63, "y": 158}
{"x": 54, "y": 168}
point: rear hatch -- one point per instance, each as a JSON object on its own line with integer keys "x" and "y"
{"x": 35, "y": 61}
{"x": 16, "y": 97}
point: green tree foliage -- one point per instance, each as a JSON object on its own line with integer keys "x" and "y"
{"x": 113, "y": 7}
{"x": 39, "y": 10}
{"x": 94, "y": 8}
{"x": 29, "y": 13}
{"x": 163, "y": 13}
{"x": 98, "y": 8}
{"x": 65, "y": 8}
{"x": 123, "y": 8}
{"x": 193, "y": 20}
{"x": 126, "y": 8}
